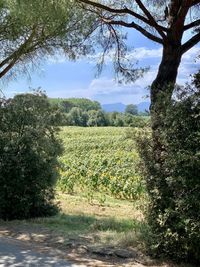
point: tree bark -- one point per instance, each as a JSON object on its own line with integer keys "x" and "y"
{"x": 166, "y": 77}
{"x": 161, "y": 93}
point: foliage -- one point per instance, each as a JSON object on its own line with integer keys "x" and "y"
{"x": 159, "y": 21}
{"x": 131, "y": 109}
{"x": 28, "y": 156}
{"x": 68, "y": 103}
{"x": 76, "y": 117}
{"x": 85, "y": 104}
{"x": 33, "y": 30}
{"x": 85, "y": 112}
{"x": 100, "y": 160}
{"x": 97, "y": 118}
{"x": 173, "y": 183}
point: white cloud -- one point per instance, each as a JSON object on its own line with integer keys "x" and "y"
{"x": 107, "y": 87}
{"x": 136, "y": 54}
{"x": 145, "y": 53}
{"x": 108, "y": 90}
{"x": 140, "y": 53}
{"x": 192, "y": 53}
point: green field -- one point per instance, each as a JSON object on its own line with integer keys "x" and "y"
{"x": 100, "y": 161}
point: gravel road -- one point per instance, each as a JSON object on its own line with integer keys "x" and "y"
{"x": 14, "y": 253}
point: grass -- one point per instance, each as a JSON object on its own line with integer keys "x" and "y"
{"x": 95, "y": 156}
{"x": 91, "y": 222}
{"x": 116, "y": 223}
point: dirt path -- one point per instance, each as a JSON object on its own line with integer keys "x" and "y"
{"x": 45, "y": 241}
{"x": 16, "y": 253}
{"x": 37, "y": 247}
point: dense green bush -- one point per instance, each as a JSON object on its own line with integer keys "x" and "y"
{"x": 28, "y": 156}
{"x": 173, "y": 184}
{"x": 76, "y": 117}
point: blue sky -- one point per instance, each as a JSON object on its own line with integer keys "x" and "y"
{"x": 63, "y": 79}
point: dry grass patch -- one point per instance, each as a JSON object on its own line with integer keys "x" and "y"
{"x": 89, "y": 230}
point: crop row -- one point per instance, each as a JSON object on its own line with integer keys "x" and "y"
{"x": 99, "y": 160}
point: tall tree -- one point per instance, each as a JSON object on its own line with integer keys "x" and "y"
{"x": 30, "y": 30}
{"x": 163, "y": 22}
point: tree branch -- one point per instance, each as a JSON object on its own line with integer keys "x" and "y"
{"x": 8, "y": 67}
{"x": 113, "y": 10}
{"x": 149, "y": 22}
{"x": 20, "y": 50}
{"x": 151, "y": 18}
{"x": 190, "y": 43}
{"x": 138, "y": 28}
{"x": 195, "y": 2}
{"x": 191, "y": 25}
{"x": 179, "y": 12}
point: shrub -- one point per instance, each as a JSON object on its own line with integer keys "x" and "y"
{"x": 173, "y": 184}
{"x": 28, "y": 156}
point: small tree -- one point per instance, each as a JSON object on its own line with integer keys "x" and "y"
{"x": 131, "y": 109}
{"x": 77, "y": 117}
{"x": 66, "y": 106}
{"x": 97, "y": 118}
{"x": 28, "y": 156}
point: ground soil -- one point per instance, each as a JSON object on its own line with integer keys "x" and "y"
{"x": 78, "y": 251}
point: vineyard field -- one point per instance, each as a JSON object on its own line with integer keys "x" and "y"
{"x": 99, "y": 160}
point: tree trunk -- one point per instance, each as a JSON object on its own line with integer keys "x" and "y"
{"x": 167, "y": 74}
{"x": 161, "y": 93}
{"x": 155, "y": 159}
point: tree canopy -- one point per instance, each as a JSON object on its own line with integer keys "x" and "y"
{"x": 31, "y": 30}
{"x": 131, "y": 109}
{"x": 164, "y": 22}
{"x": 154, "y": 19}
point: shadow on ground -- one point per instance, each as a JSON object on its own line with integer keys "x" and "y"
{"x": 14, "y": 253}
{"x": 73, "y": 237}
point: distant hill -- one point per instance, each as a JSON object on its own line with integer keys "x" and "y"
{"x": 87, "y": 104}
{"x": 143, "y": 106}
{"x": 120, "y": 107}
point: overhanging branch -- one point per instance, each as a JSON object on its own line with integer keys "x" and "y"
{"x": 20, "y": 50}
{"x": 190, "y": 43}
{"x": 8, "y": 67}
{"x": 151, "y": 22}
{"x": 191, "y": 25}
{"x": 138, "y": 28}
{"x": 195, "y": 2}
{"x": 151, "y": 18}
{"x": 113, "y": 10}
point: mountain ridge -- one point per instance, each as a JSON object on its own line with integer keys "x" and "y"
{"x": 120, "y": 107}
